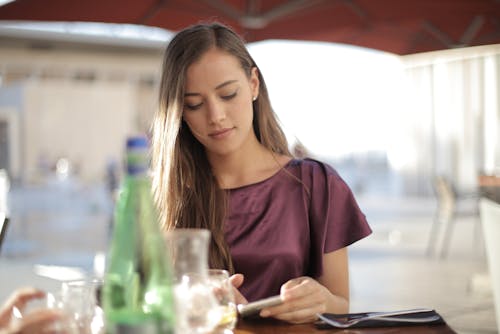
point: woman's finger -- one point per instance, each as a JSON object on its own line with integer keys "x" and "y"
{"x": 304, "y": 315}
{"x": 303, "y": 298}
{"x": 314, "y": 300}
{"x": 298, "y": 288}
{"x": 38, "y": 321}
{"x": 19, "y": 299}
{"x": 237, "y": 280}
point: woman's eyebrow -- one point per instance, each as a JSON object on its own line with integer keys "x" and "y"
{"x": 224, "y": 84}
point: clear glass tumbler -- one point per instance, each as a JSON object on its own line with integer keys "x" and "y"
{"x": 197, "y": 310}
{"x": 223, "y": 292}
{"x": 81, "y": 298}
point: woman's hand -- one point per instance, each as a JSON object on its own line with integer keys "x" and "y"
{"x": 35, "y": 322}
{"x": 237, "y": 280}
{"x": 303, "y": 298}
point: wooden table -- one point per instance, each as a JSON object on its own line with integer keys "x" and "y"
{"x": 489, "y": 187}
{"x": 268, "y": 326}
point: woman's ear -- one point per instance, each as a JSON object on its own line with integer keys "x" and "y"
{"x": 254, "y": 82}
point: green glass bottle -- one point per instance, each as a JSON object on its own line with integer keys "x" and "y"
{"x": 137, "y": 291}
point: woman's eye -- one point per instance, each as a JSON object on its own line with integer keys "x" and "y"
{"x": 193, "y": 106}
{"x": 229, "y": 97}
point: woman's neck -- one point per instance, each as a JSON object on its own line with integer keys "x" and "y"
{"x": 248, "y": 165}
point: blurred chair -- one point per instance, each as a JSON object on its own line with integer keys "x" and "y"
{"x": 490, "y": 219}
{"x": 4, "y": 212}
{"x": 4, "y": 223}
{"x": 448, "y": 202}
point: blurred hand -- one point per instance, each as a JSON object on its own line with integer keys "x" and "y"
{"x": 237, "y": 280}
{"x": 34, "y": 322}
{"x": 303, "y": 298}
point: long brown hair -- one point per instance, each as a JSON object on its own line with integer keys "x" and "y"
{"x": 186, "y": 190}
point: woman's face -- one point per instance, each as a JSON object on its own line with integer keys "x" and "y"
{"x": 218, "y": 102}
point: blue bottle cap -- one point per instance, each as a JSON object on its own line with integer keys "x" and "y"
{"x": 137, "y": 155}
{"x": 137, "y": 142}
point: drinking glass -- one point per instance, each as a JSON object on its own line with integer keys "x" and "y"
{"x": 196, "y": 307}
{"x": 223, "y": 291}
{"x": 82, "y": 299}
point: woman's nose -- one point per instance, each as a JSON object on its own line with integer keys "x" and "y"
{"x": 216, "y": 112}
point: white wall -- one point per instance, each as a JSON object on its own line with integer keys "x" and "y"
{"x": 84, "y": 122}
{"x": 78, "y": 104}
{"x": 453, "y": 104}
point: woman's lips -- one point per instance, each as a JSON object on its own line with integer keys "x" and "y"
{"x": 220, "y": 134}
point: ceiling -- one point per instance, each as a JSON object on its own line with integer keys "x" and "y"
{"x": 397, "y": 26}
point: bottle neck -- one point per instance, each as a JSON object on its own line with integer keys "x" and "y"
{"x": 137, "y": 162}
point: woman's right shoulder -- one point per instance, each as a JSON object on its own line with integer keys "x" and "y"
{"x": 313, "y": 168}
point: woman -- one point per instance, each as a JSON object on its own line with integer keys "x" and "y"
{"x": 221, "y": 162}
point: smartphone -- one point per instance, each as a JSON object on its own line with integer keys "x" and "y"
{"x": 254, "y": 307}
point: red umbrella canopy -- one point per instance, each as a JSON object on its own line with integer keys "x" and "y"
{"x": 398, "y": 26}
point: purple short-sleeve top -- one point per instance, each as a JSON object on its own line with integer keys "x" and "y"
{"x": 279, "y": 228}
